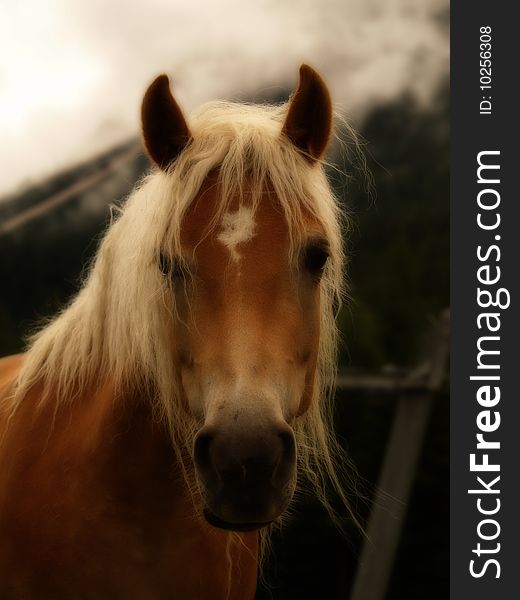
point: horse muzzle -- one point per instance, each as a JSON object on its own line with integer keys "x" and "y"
{"x": 247, "y": 479}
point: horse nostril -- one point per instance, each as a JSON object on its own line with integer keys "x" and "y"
{"x": 202, "y": 449}
{"x": 288, "y": 444}
{"x": 286, "y": 465}
{"x": 202, "y": 453}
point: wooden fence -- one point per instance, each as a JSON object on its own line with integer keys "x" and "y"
{"x": 416, "y": 393}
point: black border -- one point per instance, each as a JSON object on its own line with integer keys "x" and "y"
{"x": 472, "y": 133}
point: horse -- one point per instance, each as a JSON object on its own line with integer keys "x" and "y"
{"x": 155, "y": 429}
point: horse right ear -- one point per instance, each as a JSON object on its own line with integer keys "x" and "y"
{"x": 309, "y": 119}
{"x": 165, "y": 130}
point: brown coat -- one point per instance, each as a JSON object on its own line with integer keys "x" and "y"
{"x": 93, "y": 506}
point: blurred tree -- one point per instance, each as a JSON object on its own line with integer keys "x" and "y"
{"x": 399, "y": 246}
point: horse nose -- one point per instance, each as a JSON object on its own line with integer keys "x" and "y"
{"x": 243, "y": 460}
{"x": 247, "y": 477}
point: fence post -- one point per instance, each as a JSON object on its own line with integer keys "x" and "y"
{"x": 398, "y": 470}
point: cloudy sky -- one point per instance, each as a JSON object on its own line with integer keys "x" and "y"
{"x": 72, "y": 72}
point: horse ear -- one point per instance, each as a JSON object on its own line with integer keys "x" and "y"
{"x": 165, "y": 130}
{"x": 309, "y": 119}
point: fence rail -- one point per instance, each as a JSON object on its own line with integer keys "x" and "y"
{"x": 416, "y": 395}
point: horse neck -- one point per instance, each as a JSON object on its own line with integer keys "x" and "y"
{"x": 137, "y": 454}
{"x": 109, "y": 444}
{"x": 108, "y": 468}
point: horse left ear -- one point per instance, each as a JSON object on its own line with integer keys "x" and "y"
{"x": 165, "y": 130}
{"x": 309, "y": 120}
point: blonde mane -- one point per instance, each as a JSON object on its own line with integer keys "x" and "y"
{"x": 117, "y": 325}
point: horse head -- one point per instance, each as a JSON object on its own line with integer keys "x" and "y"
{"x": 246, "y": 276}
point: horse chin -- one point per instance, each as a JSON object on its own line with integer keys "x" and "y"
{"x": 219, "y": 523}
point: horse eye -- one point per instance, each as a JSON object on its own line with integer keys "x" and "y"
{"x": 170, "y": 268}
{"x": 315, "y": 258}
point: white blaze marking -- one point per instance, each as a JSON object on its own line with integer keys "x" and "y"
{"x": 237, "y": 228}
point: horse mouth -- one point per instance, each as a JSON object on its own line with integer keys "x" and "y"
{"x": 219, "y": 523}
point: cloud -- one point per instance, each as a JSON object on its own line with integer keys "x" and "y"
{"x": 76, "y": 71}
